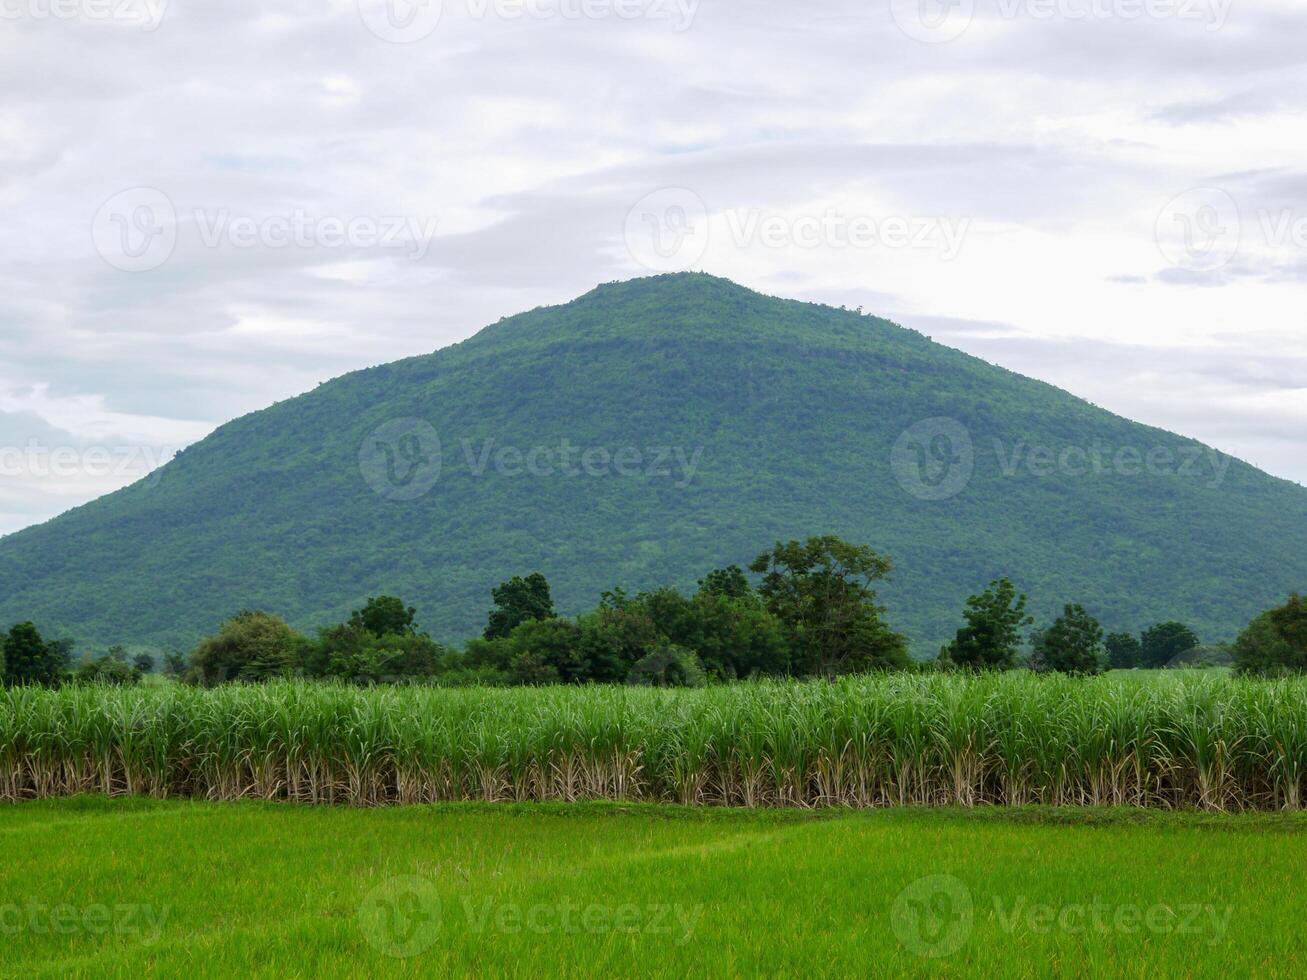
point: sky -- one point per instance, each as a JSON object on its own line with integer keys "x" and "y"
{"x": 212, "y": 205}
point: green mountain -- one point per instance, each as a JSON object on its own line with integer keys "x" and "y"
{"x": 642, "y": 435}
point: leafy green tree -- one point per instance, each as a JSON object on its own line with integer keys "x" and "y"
{"x": 174, "y": 664}
{"x": 821, "y": 589}
{"x": 29, "y": 659}
{"x": 992, "y": 634}
{"x": 548, "y": 643}
{"x": 106, "y": 670}
{"x": 1072, "y": 645}
{"x": 385, "y": 616}
{"x": 1165, "y": 642}
{"x": 1124, "y": 651}
{"x": 732, "y": 633}
{"x": 615, "y": 636}
{"x": 1274, "y": 642}
{"x": 729, "y": 581}
{"x": 251, "y": 646}
{"x": 668, "y": 666}
{"x": 516, "y": 601}
{"x": 143, "y": 663}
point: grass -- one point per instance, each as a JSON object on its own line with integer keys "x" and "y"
{"x": 202, "y": 889}
{"x": 1192, "y": 740}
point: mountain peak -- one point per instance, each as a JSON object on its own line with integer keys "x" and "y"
{"x": 739, "y": 418}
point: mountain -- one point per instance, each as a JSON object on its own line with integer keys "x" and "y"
{"x": 716, "y": 420}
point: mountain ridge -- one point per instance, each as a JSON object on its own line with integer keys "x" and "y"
{"x": 798, "y": 410}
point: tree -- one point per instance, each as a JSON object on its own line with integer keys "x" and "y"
{"x": 516, "y": 601}
{"x": 992, "y": 635}
{"x": 174, "y": 664}
{"x": 251, "y": 646}
{"x": 385, "y": 616}
{"x": 1124, "y": 651}
{"x": 1164, "y": 642}
{"x": 1274, "y": 642}
{"x": 1072, "y": 645}
{"x": 28, "y": 659}
{"x": 821, "y": 589}
{"x": 106, "y": 670}
{"x": 728, "y": 581}
{"x": 143, "y": 663}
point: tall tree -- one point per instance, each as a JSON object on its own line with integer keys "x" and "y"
{"x": 1124, "y": 651}
{"x": 1072, "y": 645}
{"x": 821, "y": 589}
{"x": 1275, "y": 642}
{"x": 517, "y": 601}
{"x": 29, "y": 659}
{"x": 385, "y": 616}
{"x": 992, "y": 634}
{"x": 1164, "y": 642}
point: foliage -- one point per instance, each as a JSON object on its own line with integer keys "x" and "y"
{"x": 1072, "y": 645}
{"x": 992, "y": 635}
{"x": 1165, "y": 643}
{"x": 251, "y": 646}
{"x": 107, "y": 670}
{"x": 1175, "y": 740}
{"x": 668, "y": 666}
{"x": 29, "y": 659}
{"x": 1124, "y": 651}
{"x": 821, "y": 590}
{"x": 517, "y": 601}
{"x": 1274, "y": 642}
{"x": 797, "y": 409}
{"x": 384, "y": 616}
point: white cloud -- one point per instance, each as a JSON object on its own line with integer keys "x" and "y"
{"x": 523, "y": 143}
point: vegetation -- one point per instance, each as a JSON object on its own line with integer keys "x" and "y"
{"x": 1165, "y": 643}
{"x": 250, "y": 890}
{"x": 992, "y": 636}
{"x": 1124, "y": 651}
{"x": 793, "y": 410}
{"x": 1072, "y": 645}
{"x": 1182, "y": 740}
{"x": 1275, "y": 642}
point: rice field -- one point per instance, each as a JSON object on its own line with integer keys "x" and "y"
{"x": 133, "y": 887}
{"x": 1191, "y": 740}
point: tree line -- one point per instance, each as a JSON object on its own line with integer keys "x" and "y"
{"x": 810, "y": 611}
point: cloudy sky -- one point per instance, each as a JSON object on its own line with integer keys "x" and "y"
{"x": 211, "y": 205}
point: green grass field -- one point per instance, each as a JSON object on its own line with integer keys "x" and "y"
{"x": 133, "y": 887}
